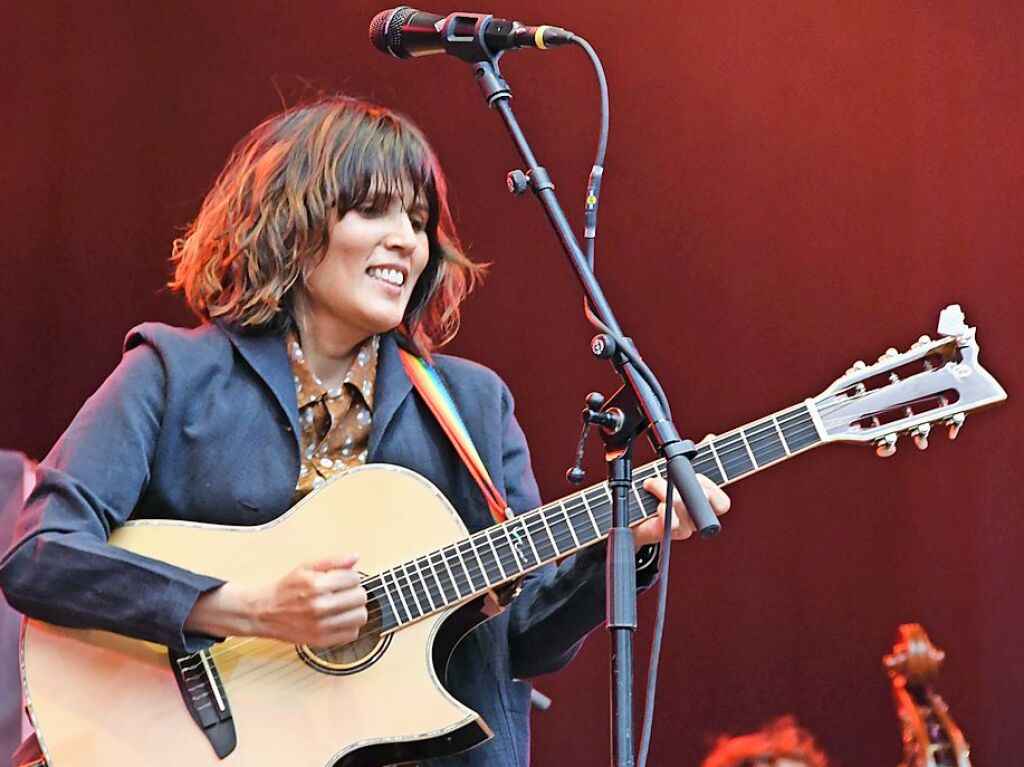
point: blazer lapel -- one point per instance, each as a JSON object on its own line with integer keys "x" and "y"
{"x": 390, "y": 389}
{"x": 266, "y": 354}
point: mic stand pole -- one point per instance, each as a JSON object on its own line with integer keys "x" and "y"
{"x": 620, "y": 582}
{"x": 663, "y": 434}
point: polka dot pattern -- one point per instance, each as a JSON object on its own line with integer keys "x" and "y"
{"x": 335, "y": 423}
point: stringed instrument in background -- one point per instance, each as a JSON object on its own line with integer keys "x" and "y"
{"x": 98, "y": 699}
{"x": 930, "y": 736}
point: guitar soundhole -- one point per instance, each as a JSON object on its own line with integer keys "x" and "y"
{"x": 354, "y": 656}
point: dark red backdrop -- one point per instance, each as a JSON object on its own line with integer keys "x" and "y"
{"x": 791, "y": 185}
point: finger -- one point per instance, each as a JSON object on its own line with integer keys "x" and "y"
{"x": 332, "y": 581}
{"x": 345, "y": 621}
{"x": 716, "y": 496}
{"x": 337, "y": 602}
{"x": 337, "y": 562}
{"x": 655, "y": 487}
{"x": 682, "y": 526}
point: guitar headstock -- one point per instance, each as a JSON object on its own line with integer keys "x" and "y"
{"x": 933, "y": 383}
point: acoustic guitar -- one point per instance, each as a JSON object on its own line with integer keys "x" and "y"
{"x": 98, "y": 699}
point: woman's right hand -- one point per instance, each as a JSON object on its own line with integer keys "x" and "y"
{"x": 318, "y": 604}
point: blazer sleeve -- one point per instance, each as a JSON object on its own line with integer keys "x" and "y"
{"x": 559, "y": 604}
{"x": 60, "y": 568}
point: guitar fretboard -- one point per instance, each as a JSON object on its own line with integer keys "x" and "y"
{"x": 503, "y": 553}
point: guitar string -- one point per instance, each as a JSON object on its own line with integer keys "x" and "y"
{"x": 419, "y": 584}
{"x": 506, "y": 556}
{"x": 574, "y": 511}
{"x": 409, "y": 575}
{"x": 535, "y": 518}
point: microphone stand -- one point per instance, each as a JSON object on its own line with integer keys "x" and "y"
{"x": 637, "y": 404}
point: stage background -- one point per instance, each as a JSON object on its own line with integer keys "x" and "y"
{"x": 791, "y": 185}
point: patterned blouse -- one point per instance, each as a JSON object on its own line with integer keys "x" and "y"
{"x": 334, "y": 423}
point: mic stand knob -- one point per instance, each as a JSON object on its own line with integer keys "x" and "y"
{"x": 518, "y": 182}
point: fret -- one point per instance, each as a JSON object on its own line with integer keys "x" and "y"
{"x": 718, "y": 461}
{"x": 799, "y": 429}
{"x": 577, "y": 516}
{"x": 451, "y": 578}
{"x": 513, "y": 537}
{"x": 765, "y": 443}
{"x": 559, "y": 520}
{"x": 524, "y": 530}
{"x": 556, "y": 551}
{"x": 746, "y": 444}
{"x": 412, "y": 590}
{"x": 426, "y": 586}
{"x": 387, "y": 594}
{"x": 534, "y": 532}
{"x": 462, "y": 562}
{"x": 734, "y": 456}
{"x": 568, "y": 522}
{"x": 497, "y": 559}
{"x": 401, "y": 596}
{"x": 590, "y": 512}
{"x": 485, "y": 577}
{"x": 517, "y": 558}
{"x": 639, "y": 503}
{"x": 782, "y": 437}
{"x": 704, "y": 463}
{"x": 424, "y": 566}
{"x": 650, "y": 503}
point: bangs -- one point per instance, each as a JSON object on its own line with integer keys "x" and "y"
{"x": 382, "y": 161}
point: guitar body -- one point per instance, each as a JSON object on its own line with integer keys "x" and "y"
{"x": 98, "y": 699}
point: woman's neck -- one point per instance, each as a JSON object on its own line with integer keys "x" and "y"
{"x": 327, "y": 346}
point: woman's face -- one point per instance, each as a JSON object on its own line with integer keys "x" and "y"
{"x": 375, "y": 255}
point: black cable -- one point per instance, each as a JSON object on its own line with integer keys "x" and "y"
{"x": 590, "y": 224}
{"x": 659, "y": 629}
{"x": 627, "y": 350}
{"x": 597, "y": 172}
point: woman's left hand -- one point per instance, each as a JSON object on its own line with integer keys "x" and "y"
{"x": 682, "y": 526}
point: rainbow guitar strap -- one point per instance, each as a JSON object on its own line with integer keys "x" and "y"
{"x": 428, "y": 383}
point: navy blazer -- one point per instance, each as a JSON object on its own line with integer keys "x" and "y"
{"x": 202, "y": 425}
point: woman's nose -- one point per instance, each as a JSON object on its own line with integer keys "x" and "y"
{"x": 403, "y": 233}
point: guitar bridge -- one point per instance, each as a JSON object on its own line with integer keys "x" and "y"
{"x": 203, "y": 692}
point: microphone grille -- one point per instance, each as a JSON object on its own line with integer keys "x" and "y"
{"x": 386, "y": 30}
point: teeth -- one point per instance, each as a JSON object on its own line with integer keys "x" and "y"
{"x": 392, "y": 276}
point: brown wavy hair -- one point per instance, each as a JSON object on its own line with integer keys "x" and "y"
{"x": 781, "y": 739}
{"x": 265, "y": 224}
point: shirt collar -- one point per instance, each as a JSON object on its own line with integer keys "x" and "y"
{"x": 360, "y": 377}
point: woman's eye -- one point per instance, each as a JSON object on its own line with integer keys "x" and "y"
{"x": 419, "y": 223}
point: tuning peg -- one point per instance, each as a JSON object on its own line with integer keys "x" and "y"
{"x": 954, "y": 423}
{"x": 922, "y": 341}
{"x": 920, "y": 435}
{"x": 856, "y": 367}
{"x": 889, "y": 354}
{"x": 886, "y": 446}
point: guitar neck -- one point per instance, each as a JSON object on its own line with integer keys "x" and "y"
{"x": 505, "y": 552}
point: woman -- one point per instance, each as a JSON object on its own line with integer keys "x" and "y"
{"x": 326, "y": 230}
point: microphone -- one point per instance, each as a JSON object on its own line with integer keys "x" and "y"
{"x": 405, "y": 32}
